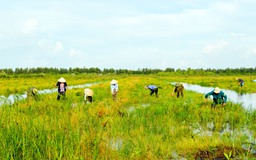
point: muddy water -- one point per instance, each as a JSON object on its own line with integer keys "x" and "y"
{"x": 13, "y": 97}
{"x": 248, "y": 100}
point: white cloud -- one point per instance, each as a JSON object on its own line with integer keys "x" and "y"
{"x": 51, "y": 47}
{"x": 215, "y": 48}
{"x": 225, "y": 7}
{"x": 251, "y": 52}
{"x": 74, "y": 53}
{"x": 58, "y": 47}
{"x": 43, "y": 43}
{"x": 140, "y": 34}
{"x": 185, "y": 23}
{"x": 129, "y": 20}
{"x": 30, "y": 26}
{"x": 238, "y": 35}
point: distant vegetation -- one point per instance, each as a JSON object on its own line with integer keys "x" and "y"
{"x": 40, "y": 71}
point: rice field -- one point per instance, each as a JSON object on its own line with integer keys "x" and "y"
{"x": 135, "y": 126}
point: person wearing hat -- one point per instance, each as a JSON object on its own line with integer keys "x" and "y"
{"x": 114, "y": 88}
{"x": 88, "y": 93}
{"x": 32, "y": 92}
{"x": 153, "y": 89}
{"x": 219, "y": 97}
{"x": 240, "y": 82}
{"x": 178, "y": 89}
{"x": 62, "y": 87}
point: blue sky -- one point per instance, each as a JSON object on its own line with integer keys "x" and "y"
{"x": 128, "y": 34}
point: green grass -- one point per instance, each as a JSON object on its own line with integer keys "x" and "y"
{"x": 136, "y": 126}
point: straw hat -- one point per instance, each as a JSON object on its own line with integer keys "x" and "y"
{"x": 62, "y": 80}
{"x": 88, "y": 92}
{"x": 34, "y": 90}
{"x": 216, "y": 90}
{"x": 113, "y": 82}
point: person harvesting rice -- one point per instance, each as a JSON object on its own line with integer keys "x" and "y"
{"x": 62, "y": 87}
{"x": 178, "y": 89}
{"x": 88, "y": 93}
{"x": 114, "y": 88}
{"x": 219, "y": 97}
{"x": 153, "y": 89}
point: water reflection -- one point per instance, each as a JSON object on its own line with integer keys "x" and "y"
{"x": 14, "y": 97}
{"x": 115, "y": 144}
{"x": 248, "y": 100}
{"x": 132, "y": 108}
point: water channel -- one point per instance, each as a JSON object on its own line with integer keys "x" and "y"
{"x": 247, "y": 100}
{"x": 13, "y": 97}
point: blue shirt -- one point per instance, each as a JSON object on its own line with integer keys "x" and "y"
{"x": 216, "y": 96}
{"x": 152, "y": 87}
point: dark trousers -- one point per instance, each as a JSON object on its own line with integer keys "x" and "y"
{"x": 89, "y": 99}
{"x": 179, "y": 93}
{"x": 217, "y": 101}
{"x": 154, "y": 91}
{"x": 61, "y": 94}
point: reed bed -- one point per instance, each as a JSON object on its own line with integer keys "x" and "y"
{"x": 135, "y": 126}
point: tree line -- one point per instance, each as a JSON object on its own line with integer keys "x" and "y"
{"x": 95, "y": 70}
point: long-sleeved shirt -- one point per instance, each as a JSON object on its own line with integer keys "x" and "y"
{"x": 240, "y": 80}
{"x": 114, "y": 87}
{"x": 217, "y": 96}
{"x": 62, "y": 86}
{"x": 152, "y": 87}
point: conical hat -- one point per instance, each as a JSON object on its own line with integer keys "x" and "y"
{"x": 62, "y": 80}
{"x": 113, "y": 82}
{"x": 88, "y": 92}
{"x": 34, "y": 90}
{"x": 217, "y": 90}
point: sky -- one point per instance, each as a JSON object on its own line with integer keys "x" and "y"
{"x": 132, "y": 34}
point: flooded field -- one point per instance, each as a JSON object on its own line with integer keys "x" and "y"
{"x": 11, "y": 98}
{"x": 248, "y": 100}
{"x": 135, "y": 125}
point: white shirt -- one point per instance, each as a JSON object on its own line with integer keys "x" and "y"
{"x": 114, "y": 86}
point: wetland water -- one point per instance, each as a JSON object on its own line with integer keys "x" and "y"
{"x": 248, "y": 100}
{"x": 11, "y": 98}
